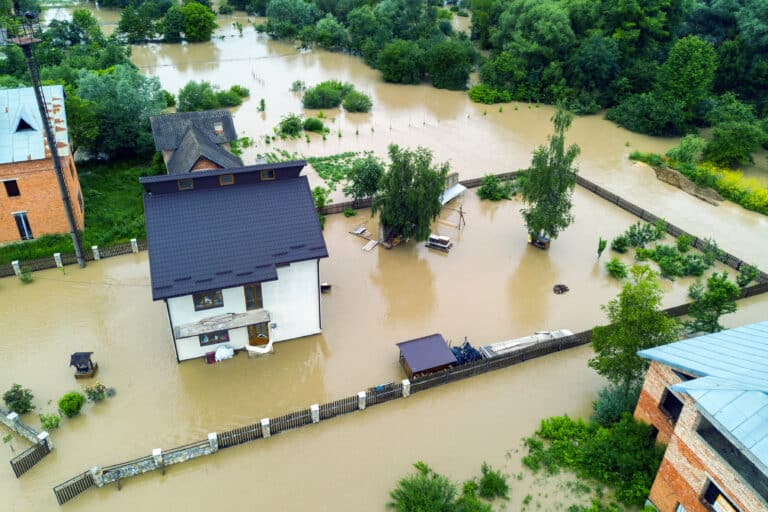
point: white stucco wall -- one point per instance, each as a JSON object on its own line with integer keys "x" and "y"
{"x": 292, "y": 302}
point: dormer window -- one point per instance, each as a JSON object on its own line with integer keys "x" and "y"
{"x": 24, "y": 126}
{"x": 268, "y": 174}
{"x": 187, "y": 184}
{"x": 218, "y": 127}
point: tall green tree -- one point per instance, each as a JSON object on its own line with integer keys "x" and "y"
{"x": 409, "y": 198}
{"x": 448, "y": 63}
{"x": 717, "y": 299}
{"x": 401, "y": 62}
{"x": 199, "y": 22}
{"x": 548, "y": 188}
{"x": 636, "y": 323}
{"x": 364, "y": 177}
{"x": 82, "y": 120}
{"x": 173, "y": 25}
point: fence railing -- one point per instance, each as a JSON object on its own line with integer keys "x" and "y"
{"x": 73, "y": 487}
{"x": 24, "y": 461}
{"x": 240, "y": 435}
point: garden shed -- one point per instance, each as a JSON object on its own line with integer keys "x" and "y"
{"x": 425, "y": 355}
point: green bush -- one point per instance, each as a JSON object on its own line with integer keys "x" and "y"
{"x": 25, "y": 275}
{"x": 495, "y": 189}
{"x": 616, "y": 268}
{"x": 290, "y": 125}
{"x": 493, "y": 484}
{"x": 423, "y": 491}
{"x": 355, "y": 101}
{"x": 613, "y": 402}
{"x": 643, "y": 254}
{"x": 18, "y": 399}
{"x": 328, "y": 94}
{"x": 71, "y": 403}
{"x": 670, "y": 267}
{"x": 693, "y": 265}
{"x": 620, "y": 244}
{"x": 50, "y": 421}
{"x": 482, "y": 93}
{"x": 313, "y": 124}
{"x": 241, "y": 91}
{"x": 747, "y": 274}
{"x": 225, "y": 8}
{"x": 684, "y": 243}
{"x": 228, "y": 99}
{"x": 469, "y": 502}
{"x": 349, "y": 212}
{"x": 97, "y": 392}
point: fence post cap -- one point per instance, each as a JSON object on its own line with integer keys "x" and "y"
{"x": 265, "y": 422}
{"x": 14, "y": 416}
{"x": 406, "y": 382}
{"x": 95, "y": 470}
{"x": 361, "y": 394}
{"x": 314, "y": 407}
{"x": 157, "y": 452}
{"x": 94, "y": 247}
{"x": 212, "y": 436}
{"x": 42, "y": 436}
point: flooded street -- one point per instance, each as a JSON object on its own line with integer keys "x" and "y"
{"x": 492, "y": 286}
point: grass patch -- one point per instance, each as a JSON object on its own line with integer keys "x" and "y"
{"x": 114, "y": 212}
{"x": 335, "y": 168}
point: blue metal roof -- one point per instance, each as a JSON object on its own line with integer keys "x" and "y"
{"x": 228, "y": 236}
{"x": 19, "y": 144}
{"x": 732, "y": 390}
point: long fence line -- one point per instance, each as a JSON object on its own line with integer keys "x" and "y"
{"x": 267, "y": 427}
{"x": 41, "y": 443}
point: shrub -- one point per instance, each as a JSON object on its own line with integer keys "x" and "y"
{"x": 670, "y": 267}
{"x": 25, "y": 275}
{"x": 620, "y": 244}
{"x": 18, "y": 399}
{"x": 712, "y": 252}
{"x": 290, "y": 125}
{"x": 493, "y": 484}
{"x": 612, "y": 402}
{"x": 468, "y": 501}
{"x": 97, "y": 392}
{"x": 313, "y": 124}
{"x": 241, "y": 91}
{"x": 639, "y": 234}
{"x": 71, "y": 403}
{"x": 225, "y": 8}
{"x": 689, "y": 150}
{"x": 747, "y": 274}
{"x": 693, "y": 265}
{"x": 355, "y": 101}
{"x": 424, "y": 490}
{"x": 495, "y": 189}
{"x": 643, "y": 254}
{"x": 326, "y": 94}
{"x": 601, "y": 244}
{"x": 482, "y": 93}
{"x": 696, "y": 290}
{"x": 616, "y": 268}
{"x": 170, "y": 99}
{"x": 50, "y": 421}
{"x": 684, "y": 243}
{"x": 228, "y": 99}
{"x": 349, "y": 212}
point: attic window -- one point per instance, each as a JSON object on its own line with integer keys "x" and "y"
{"x": 186, "y": 184}
{"x": 24, "y": 126}
{"x": 227, "y": 179}
{"x": 268, "y": 174}
{"x": 671, "y": 405}
{"x": 218, "y": 127}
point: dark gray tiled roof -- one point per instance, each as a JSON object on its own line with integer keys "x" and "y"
{"x": 426, "y": 353}
{"x": 169, "y": 129}
{"x": 224, "y": 237}
{"x": 194, "y": 145}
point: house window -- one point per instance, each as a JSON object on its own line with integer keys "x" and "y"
{"x": 22, "y": 223}
{"x": 716, "y": 499}
{"x": 218, "y": 127}
{"x": 227, "y": 179}
{"x": 186, "y": 184}
{"x": 12, "y": 188}
{"x": 208, "y": 300}
{"x": 253, "y": 298}
{"x": 268, "y": 174}
{"x": 258, "y": 334}
{"x": 212, "y": 338}
{"x": 80, "y": 200}
{"x": 671, "y": 405}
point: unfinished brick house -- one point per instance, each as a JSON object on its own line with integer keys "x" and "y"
{"x": 708, "y": 398}
{"x": 30, "y": 201}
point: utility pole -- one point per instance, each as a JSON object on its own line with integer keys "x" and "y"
{"x": 25, "y": 38}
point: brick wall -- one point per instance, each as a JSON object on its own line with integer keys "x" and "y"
{"x": 203, "y": 164}
{"x": 688, "y": 461}
{"x": 39, "y": 196}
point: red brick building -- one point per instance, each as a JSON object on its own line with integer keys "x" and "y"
{"x": 30, "y": 201}
{"x": 708, "y": 399}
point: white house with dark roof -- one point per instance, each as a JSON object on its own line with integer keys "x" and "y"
{"x": 708, "y": 399}
{"x": 235, "y": 255}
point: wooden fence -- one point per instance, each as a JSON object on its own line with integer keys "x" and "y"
{"x": 240, "y": 435}
{"x": 73, "y": 487}
{"x": 24, "y": 461}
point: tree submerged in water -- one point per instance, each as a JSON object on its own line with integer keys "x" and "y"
{"x": 548, "y": 188}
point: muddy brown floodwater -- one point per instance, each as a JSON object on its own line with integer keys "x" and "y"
{"x": 492, "y": 286}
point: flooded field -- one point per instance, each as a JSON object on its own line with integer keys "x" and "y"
{"x": 492, "y": 286}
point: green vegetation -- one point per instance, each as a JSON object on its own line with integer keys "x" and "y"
{"x": 364, "y": 177}
{"x": 313, "y": 124}
{"x": 747, "y": 274}
{"x": 96, "y": 392}
{"x": 50, "y": 421}
{"x": 616, "y": 268}
{"x": 482, "y": 93}
{"x": 548, "y": 188}
{"x": 18, "y": 399}
{"x": 320, "y": 196}
{"x": 409, "y": 198}
{"x": 710, "y": 303}
{"x": 290, "y": 126}
{"x": 620, "y": 244}
{"x": 237, "y": 145}
{"x": 143, "y": 21}
{"x": 335, "y": 168}
{"x": 622, "y": 455}
{"x": 493, "y": 188}
{"x": 613, "y": 402}
{"x": 195, "y": 96}
{"x": 493, "y": 484}
{"x": 332, "y": 93}
{"x": 635, "y": 322}
{"x": 601, "y": 245}
{"x": 71, "y": 403}
{"x": 25, "y": 275}
{"x": 355, "y": 101}
{"x": 684, "y": 243}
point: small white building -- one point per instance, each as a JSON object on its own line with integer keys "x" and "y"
{"x": 235, "y": 254}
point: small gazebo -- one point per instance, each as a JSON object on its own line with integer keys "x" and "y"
{"x": 425, "y": 355}
{"x": 84, "y": 366}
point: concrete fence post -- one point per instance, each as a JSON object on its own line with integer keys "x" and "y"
{"x": 265, "y": 432}
{"x": 16, "y": 267}
{"x": 157, "y": 455}
{"x": 406, "y": 388}
{"x": 213, "y": 440}
{"x": 13, "y": 417}
{"x": 361, "y": 400}
{"x": 43, "y": 437}
{"x": 314, "y": 409}
{"x": 98, "y": 476}
{"x": 134, "y": 245}
{"x": 57, "y": 259}
{"x": 96, "y": 253}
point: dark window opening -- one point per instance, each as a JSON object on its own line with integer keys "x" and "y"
{"x": 671, "y": 405}
{"x": 24, "y": 126}
{"x": 212, "y": 338}
{"x": 268, "y": 174}
{"x": 186, "y": 184}
{"x": 12, "y": 188}
{"x": 22, "y": 224}
{"x": 80, "y": 200}
{"x": 208, "y": 300}
{"x": 226, "y": 179}
{"x": 716, "y": 499}
{"x": 253, "y": 298}
{"x": 683, "y": 376}
{"x": 282, "y": 265}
